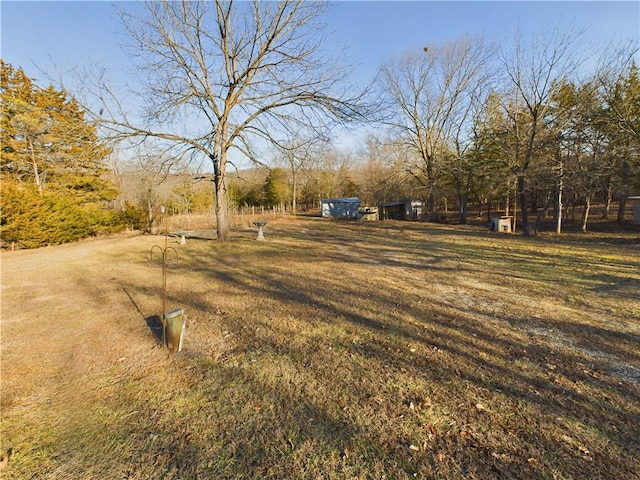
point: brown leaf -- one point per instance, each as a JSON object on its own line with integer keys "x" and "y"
{"x": 567, "y": 439}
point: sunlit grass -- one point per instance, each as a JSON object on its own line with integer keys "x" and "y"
{"x": 352, "y": 350}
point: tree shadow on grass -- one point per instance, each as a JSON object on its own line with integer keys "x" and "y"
{"x": 154, "y": 322}
{"x": 373, "y": 359}
{"x": 155, "y": 326}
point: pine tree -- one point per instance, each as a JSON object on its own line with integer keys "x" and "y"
{"x": 52, "y": 166}
{"x": 276, "y": 188}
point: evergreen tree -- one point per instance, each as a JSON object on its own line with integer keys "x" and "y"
{"x": 52, "y": 165}
{"x": 276, "y": 188}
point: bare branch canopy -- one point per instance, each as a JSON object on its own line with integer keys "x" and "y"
{"x": 222, "y": 75}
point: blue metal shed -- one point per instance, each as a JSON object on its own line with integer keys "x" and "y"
{"x": 340, "y": 207}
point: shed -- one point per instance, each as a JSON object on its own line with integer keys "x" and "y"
{"x": 502, "y": 224}
{"x": 340, "y": 207}
{"x": 405, "y": 209}
{"x": 636, "y": 209}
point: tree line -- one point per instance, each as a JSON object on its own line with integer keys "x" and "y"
{"x": 531, "y": 136}
{"x": 527, "y": 126}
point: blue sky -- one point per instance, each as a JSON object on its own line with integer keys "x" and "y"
{"x": 39, "y": 35}
{"x": 375, "y": 30}
{"x": 73, "y": 32}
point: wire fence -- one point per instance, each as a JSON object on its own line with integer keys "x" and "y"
{"x": 239, "y": 219}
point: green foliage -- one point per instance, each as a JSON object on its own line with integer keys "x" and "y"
{"x": 135, "y": 216}
{"x": 276, "y": 188}
{"x": 346, "y": 185}
{"x": 31, "y": 220}
{"x": 192, "y": 197}
{"x": 245, "y": 194}
{"x": 623, "y": 109}
{"x": 52, "y": 166}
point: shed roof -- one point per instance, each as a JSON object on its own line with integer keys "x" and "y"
{"x": 342, "y": 200}
{"x": 404, "y": 201}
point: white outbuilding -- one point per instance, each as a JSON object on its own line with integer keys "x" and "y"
{"x": 340, "y": 207}
{"x": 636, "y": 209}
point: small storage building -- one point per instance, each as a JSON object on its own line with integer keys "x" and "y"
{"x": 502, "y": 224}
{"x": 636, "y": 209}
{"x": 405, "y": 209}
{"x": 340, "y": 207}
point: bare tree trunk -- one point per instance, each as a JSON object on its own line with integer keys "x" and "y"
{"x": 585, "y": 213}
{"x": 463, "y": 198}
{"x": 542, "y": 213}
{"x": 462, "y": 216}
{"x": 36, "y": 173}
{"x": 526, "y": 227}
{"x": 488, "y": 210}
{"x": 559, "y": 203}
{"x": 294, "y": 193}
{"x": 621, "y": 208}
{"x": 150, "y": 214}
{"x": 433, "y": 209}
{"x": 223, "y": 224}
{"x": 607, "y": 204}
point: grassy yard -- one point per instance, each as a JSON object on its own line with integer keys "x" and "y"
{"x": 334, "y": 350}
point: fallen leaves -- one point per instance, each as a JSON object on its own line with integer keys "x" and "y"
{"x": 4, "y": 458}
{"x": 583, "y": 451}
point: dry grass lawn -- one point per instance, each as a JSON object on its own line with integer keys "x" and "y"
{"x": 333, "y": 350}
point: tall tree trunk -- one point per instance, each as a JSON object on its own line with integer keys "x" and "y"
{"x": 294, "y": 192}
{"x": 585, "y": 213}
{"x": 223, "y": 224}
{"x": 463, "y": 198}
{"x": 542, "y": 213}
{"x": 621, "y": 208}
{"x": 522, "y": 195}
{"x": 460, "y": 200}
{"x": 150, "y": 216}
{"x": 559, "y": 203}
{"x": 488, "y": 210}
{"x": 462, "y": 208}
{"x": 607, "y": 202}
{"x": 433, "y": 211}
{"x": 34, "y": 164}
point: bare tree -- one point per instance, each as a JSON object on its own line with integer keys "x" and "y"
{"x": 297, "y": 152}
{"x": 534, "y": 72}
{"x": 464, "y": 168}
{"x": 383, "y": 173}
{"x": 226, "y": 75}
{"x": 615, "y": 62}
{"x": 429, "y": 90}
{"x": 619, "y": 79}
